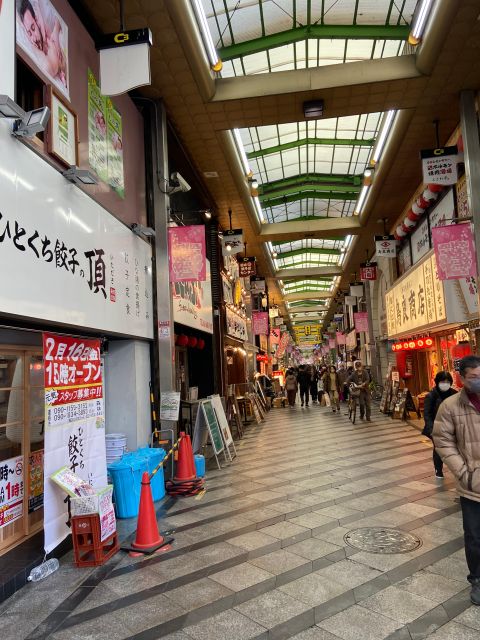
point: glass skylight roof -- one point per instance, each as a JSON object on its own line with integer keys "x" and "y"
{"x": 262, "y": 36}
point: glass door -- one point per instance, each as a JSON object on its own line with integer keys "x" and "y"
{"x": 21, "y": 444}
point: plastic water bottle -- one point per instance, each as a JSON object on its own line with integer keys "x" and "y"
{"x": 43, "y": 570}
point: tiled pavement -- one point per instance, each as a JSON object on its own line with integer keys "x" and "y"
{"x": 262, "y": 554}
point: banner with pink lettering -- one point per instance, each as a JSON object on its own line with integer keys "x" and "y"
{"x": 361, "y": 321}
{"x": 274, "y": 335}
{"x": 186, "y": 254}
{"x": 454, "y": 251}
{"x": 260, "y": 323}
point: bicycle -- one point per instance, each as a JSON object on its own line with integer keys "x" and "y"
{"x": 375, "y": 390}
{"x": 353, "y": 396}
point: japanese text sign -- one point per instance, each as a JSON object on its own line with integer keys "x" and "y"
{"x": 385, "y": 246}
{"x": 232, "y": 242}
{"x": 236, "y": 324}
{"x": 454, "y": 251}
{"x": 186, "y": 253}
{"x": 368, "y": 271}
{"x": 11, "y": 490}
{"x": 361, "y": 321}
{"x": 260, "y": 323}
{"x": 417, "y": 300}
{"x": 439, "y": 166}
{"x": 247, "y": 267}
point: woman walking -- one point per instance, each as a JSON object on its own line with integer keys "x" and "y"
{"x": 433, "y": 400}
{"x": 331, "y": 385}
{"x": 314, "y": 384}
{"x": 291, "y": 387}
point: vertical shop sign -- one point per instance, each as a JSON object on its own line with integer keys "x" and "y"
{"x": 247, "y": 267}
{"x": 420, "y": 242}
{"x": 368, "y": 271}
{"x": 439, "y": 166}
{"x": 455, "y": 251}
{"x": 187, "y": 254}
{"x": 115, "y": 176}
{"x": 232, "y": 242}
{"x": 97, "y": 129}
{"x": 385, "y": 246}
{"x": 35, "y": 481}
{"x": 260, "y": 323}
{"x": 11, "y": 490}
{"x": 274, "y": 335}
{"x": 74, "y": 423}
{"x": 361, "y": 321}
{"x": 462, "y": 198}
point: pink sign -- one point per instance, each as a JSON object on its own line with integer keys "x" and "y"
{"x": 454, "y": 251}
{"x": 186, "y": 254}
{"x": 361, "y": 321}
{"x": 341, "y": 338}
{"x": 331, "y": 343}
{"x": 260, "y": 323}
{"x": 274, "y": 335}
{"x": 284, "y": 340}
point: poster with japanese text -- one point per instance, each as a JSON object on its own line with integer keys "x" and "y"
{"x": 11, "y": 490}
{"x": 260, "y": 323}
{"x": 187, "y": 253}
{"x": 74, "y": 423}
{"x": 35, "y": 481}
{"x": 7, "y": 48}
{"x": 97, "y": 129}
{"x": 439, "y": 166}
{"x": 114, "y": 149}
{"x": 106, "y": 513}
{"x": 361, "y": 321}
{"x": 455, "y": 251}
{"x": 43, "y": 35}
{"x": 192, "y": 303}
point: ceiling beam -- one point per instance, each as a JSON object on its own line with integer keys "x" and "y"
{"x": 338, "y": 142}
{"x": 339, "y": 181}
{"x": 308, "y": 272}
{"x": 317, "y": 193}
{"x": 314, "y": 32}
{"x": 307, "y": 309}
{"x": 311, "y": 250}
{"x": 317, "y": 78}
{"x": 318, "y": 228}
{"x": 307, "y": 295}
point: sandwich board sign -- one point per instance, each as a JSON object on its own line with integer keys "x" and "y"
{"x": 206, "y": 424}
{"x": 223, "y": 423}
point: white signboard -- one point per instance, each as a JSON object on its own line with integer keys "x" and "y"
{"x": 236, "y": 324}
{"x": 385, "y": 246}
{"x": 443, "y": 212}
{"x": 192, "y": 303}
{"x": 7, "y": 48}
{"x": 439, "y": 166}
{"x": 169, "y": 405}
{"x": 420, "y": 242}
{"x": 222, "y": 419}
{"x": 69, "y": 260}
{"x": 11, "y": 490}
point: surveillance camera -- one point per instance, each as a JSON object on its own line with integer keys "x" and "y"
{"x": 178, "y": 183}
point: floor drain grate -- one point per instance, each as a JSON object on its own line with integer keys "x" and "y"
{"x": 382, "y": 540}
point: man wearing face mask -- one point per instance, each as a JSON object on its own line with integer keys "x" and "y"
{"x": 456, "y": 434}
{"x": 440, "y": 392}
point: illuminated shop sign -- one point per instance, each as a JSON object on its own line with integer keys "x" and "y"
{"x": 413, "y": 345}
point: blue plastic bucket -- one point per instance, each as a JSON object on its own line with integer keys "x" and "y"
{"x": 200, "y": 465}
{"x": 126, "y": 475}
{"x": 154, "y": 455}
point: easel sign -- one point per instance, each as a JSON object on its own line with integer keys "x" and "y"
{"x": 207, "y": 423}
{"x": 223, "y": 422}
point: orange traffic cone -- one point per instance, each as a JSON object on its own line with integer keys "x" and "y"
{"x": 185, "y": 462}
{"x": 148, "y": 539}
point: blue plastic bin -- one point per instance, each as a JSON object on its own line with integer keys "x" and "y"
{"x": 126, "y": 475}
{"x": 200, "y": 465}
{"x": 154, "y": 455}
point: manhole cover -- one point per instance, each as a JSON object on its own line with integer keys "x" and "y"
{"x": 382, "y": 540}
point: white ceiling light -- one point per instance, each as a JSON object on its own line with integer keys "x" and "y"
{"x": 361, "y": 200}
{"x": 420, "y": 20}
{"x": 241, "y": 151}
{"x": 382, "y": 137}
{"x": 206, "y": 35}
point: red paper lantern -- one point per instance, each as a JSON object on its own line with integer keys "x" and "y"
{"x": 182, "y": 340}
{"x": 419, "y": 208}
{"x": 422, "y": 203}
{"x": 409, "y": 223}
{"x": 200, "y": 344}
{"x": 192, "y": 341}
{"x": 435, "y": 188}
{"x": 414, "y": 217}
{"x": 400, "y": 232}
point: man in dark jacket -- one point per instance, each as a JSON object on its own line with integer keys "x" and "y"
{"x": 440, "y": 392}
{"x": 361, "y": 378}
{"x": 303, "y": 380}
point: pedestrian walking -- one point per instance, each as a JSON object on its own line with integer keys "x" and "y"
{"x": 291, "y": 387}
{"x": 440, "y": 392}
{"x": 361, "y": 378}
{"x": 304, "y": 384}
{"x": 314, "y": 384}
{"x": 342, "y": 376}
{"x": 331, "y": 385}
{"x": 456, "y": 434}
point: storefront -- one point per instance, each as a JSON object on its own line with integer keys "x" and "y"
{"x": 428, "y": 323}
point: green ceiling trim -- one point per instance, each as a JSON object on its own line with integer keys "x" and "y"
{"x": 341, "y": 182}
{"x": 296, "y": 194}
{"x": 311, "y": 250}
{"x": 317, "y": 32}
{"x": 338, "y": 142}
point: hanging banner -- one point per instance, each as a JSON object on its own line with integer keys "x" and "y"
{"x": 257, "y": 285}
{"x": 232, "y": 242}
{"x": 463, "y": 208}
{"x": 351, "y": 340}
{"x": 236, "y": 324}
{"x": 284, "y": 341}
{"x": 439, "y": 166}
{"x": 187, "y": 254}
{"x": 11, "y": 490}
{"x": 278, "y": 321}
{"x": 361, "y": 321}
{"x": 260, "y": 323}
{"x": 7, "y": 49}
{"x": 356, "y": 289}
{"x": 368, "y": 271}
{"x": 350, "y": 301}
{"x": 114, "y": 148}
{"x": 455, "y": 251}
{"x": 35, "y": 481}
{"x": 192, "y": 303}
{"x": 273, "y": 312}
{"x": 341, "y": 338}
{"x": 385, "y": 246}
{"x": 247, "y": 266}
{"x": 74, "y": 423}
{"x": 274, "y": 336}
{"x": 331, "y": 343}
{"x": 97, "y": 128}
